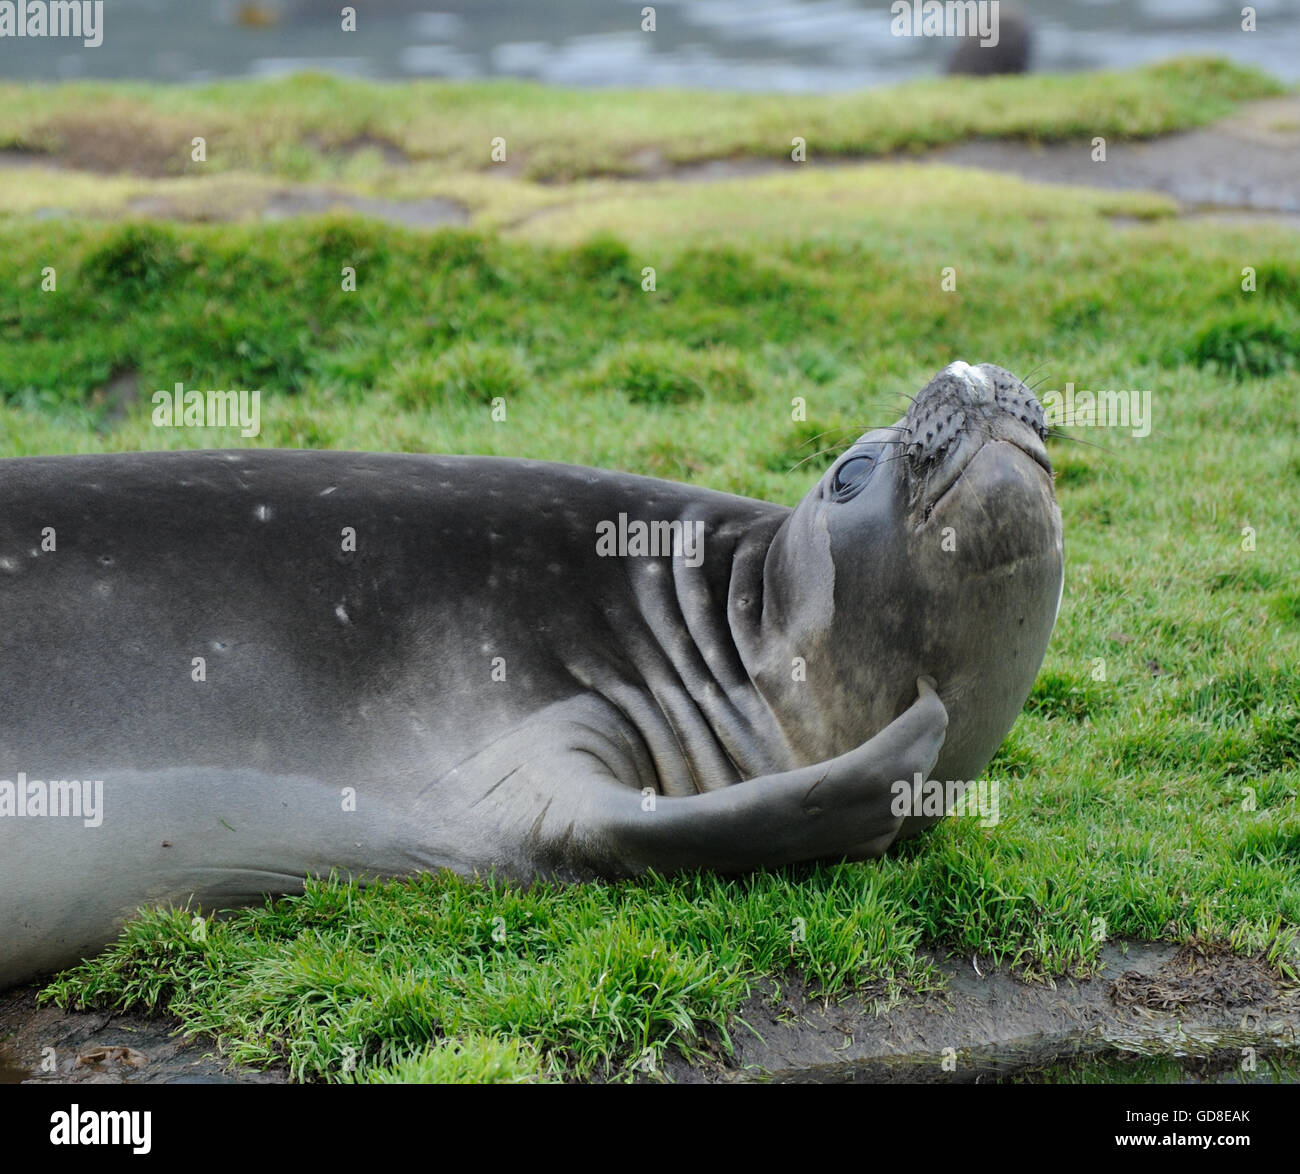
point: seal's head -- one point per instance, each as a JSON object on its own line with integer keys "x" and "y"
{"x": 933, "y": 548}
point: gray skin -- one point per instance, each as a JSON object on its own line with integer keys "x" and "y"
{"x": 650, "y": 716}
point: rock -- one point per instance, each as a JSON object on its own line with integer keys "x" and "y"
{"x": 1010, "y": 55}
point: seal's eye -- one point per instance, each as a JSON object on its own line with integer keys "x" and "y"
{"x": 852, "y": 471}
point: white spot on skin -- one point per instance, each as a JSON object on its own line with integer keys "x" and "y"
{"x": 8, "y": 564}
{"x": 342, "y": 614}
{"x": 981, "y": 390}
{"x": 327, "y": 492}
{"x": 262, "y": 513}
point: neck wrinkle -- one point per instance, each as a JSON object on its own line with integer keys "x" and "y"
{"x": 758, "y": 637}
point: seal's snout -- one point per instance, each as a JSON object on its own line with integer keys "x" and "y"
{"x": 993, "y": 394}
{"x": 958, "y": 412}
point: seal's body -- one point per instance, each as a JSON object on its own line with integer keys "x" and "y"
{"x": 259, "y": 666}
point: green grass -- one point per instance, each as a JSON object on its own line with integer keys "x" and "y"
{"x": 466, "y": 1060}
{"x": 1148, "y": 790}
{"x": 599, "y": 980}
{"x": 320, "y": 127}
{"x": 98, "y": 149}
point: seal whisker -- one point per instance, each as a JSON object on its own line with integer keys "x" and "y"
{"x": 1056, "y": 434}
{"x": 1079, "y": 440}
{"x": 837, "y": 428}
{"x": 859, "y": 429}
{"x": 1025, "y": 378}
{"x": 812, "y": 456}
{"x": 897, "y": 457}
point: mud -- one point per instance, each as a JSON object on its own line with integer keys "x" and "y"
{"x": 43, "y": 1045}
{"x": 1249, "y": 161}
{"x": 114, "y": 144}
{"x": 988, "y": 1025}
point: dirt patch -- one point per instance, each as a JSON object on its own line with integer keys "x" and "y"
{"x": 1220, "y": 167}
{"x": 389, "y": 151}
{"x": 117, "y": 145}
{"x": 513, "y": 166}
{"x": 990, "y": 1025}
{"x": 1200, "y": 975}
{"x": 43, "y": 1045}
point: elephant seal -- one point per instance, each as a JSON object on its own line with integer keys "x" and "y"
{"x": 223, "y": 672}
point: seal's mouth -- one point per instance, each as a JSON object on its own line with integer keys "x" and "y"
{"x": 1038, "y": 454}
{"x": 952, "y": 477}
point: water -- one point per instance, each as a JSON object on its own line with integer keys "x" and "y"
{"x": 789, "y": 45}
{"x": 1129, "y": 1068}
{"x": 1157, "y": 1055}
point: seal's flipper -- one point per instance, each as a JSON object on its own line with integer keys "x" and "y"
{"x": 840, "y": 808}
{"x": 573, "y": 794}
